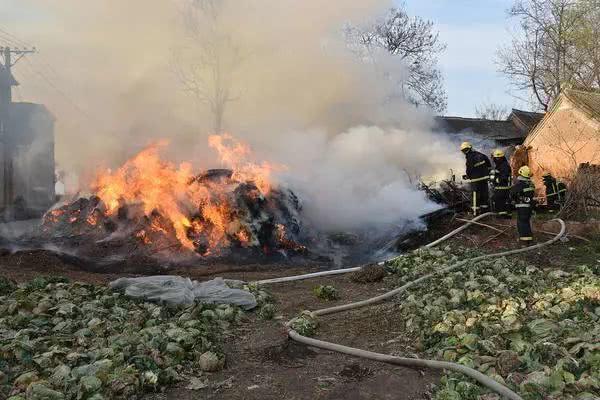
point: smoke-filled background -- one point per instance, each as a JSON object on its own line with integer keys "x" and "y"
{"x": 275, "y": 73}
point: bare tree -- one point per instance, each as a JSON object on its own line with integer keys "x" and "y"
{"x": 586, "y": 40}
{"x": 206, "y": 67}
{"x": 583, "y": 197}
{"x": 547, "y": 54}
{"x": 492, "y": 111}
{"x": 415, "y": 42}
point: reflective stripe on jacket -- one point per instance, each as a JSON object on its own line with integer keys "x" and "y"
{"x": 477, "y": 166}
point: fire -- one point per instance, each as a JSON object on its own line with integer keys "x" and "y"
{"x": 143, "y": 237}
{"x": 54, "y": 215}
{"x": 195, "y": 209}
{"x": 92, "y": 219}
{"x": 234, "y": 155}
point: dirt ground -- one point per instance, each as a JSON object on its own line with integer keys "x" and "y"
{"x": 263, "y": 364}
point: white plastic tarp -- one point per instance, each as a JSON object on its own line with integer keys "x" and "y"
{"x": 172, "y": 289}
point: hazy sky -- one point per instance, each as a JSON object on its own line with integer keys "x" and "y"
{"x": 472, "y": 29}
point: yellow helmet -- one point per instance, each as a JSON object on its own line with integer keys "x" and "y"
{"x": 465, "y": 145}
{"x": 525, "y": 171}
{"x": 498, "y": 153}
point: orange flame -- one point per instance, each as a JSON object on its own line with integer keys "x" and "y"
{"x": 189, "y": 205}
{"x": 234, "y": 154}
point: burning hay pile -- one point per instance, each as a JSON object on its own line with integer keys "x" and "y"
{"x": 152, "y": 207}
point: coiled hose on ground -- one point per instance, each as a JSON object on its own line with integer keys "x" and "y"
{"x": 411, "y": 362}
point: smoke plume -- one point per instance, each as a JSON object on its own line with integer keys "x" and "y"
{"x": 295, "y": 92}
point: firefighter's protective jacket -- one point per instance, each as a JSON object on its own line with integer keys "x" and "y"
{"x": 478, "y": 166}
{"x": 501, "y": 174}
{"x": 523, "y": 193}
{"x": 555, "y": 190}
{"x": 551, "y": 186}
{"x": 562, "y": 190}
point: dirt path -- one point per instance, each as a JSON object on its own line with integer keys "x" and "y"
{"x": 263, "y": 364}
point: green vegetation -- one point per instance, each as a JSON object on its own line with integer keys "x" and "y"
{"x": 305, "y": 325}
{"x": 77, "y": 341}
{"x": 535, "y": 330}
{"x": 326, "y": 292}
{"x": 267, "y": 311}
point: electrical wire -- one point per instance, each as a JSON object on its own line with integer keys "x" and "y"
{"x": 14, "y": 39}
{"x": 57, "y": 89}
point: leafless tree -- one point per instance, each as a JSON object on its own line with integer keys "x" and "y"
{"x": 415, "y": 42}
{"x": 492, "y": 111}
{"x": 586, "y": 40}
{"x": 583, "y": 196}
{"x": 547, "y": 54}
{"x": 207, "y": 65}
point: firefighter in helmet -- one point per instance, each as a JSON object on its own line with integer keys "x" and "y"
{"x": 501, "y": 177}
{"x": 478, "y": 174}
{"x": 551, "y": 191}
{"x": 555, "y": 191}
{"x": 523, "y": 193}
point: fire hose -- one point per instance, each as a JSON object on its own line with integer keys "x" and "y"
{"x": 415, "y": 362}
{"x": 348, "y": 270}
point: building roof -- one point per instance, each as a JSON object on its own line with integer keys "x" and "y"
{"x": 588, "y": 101}
{"x": 491, "y": 129}
{"x": 6, "y": 78}
{"x": 528, "y": 119}
{"x": 29, "y": 122}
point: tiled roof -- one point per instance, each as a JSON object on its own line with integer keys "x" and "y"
{"x": 496, "y": 130}
{"x": 528, "y": 118}
{"x": 589, "y": 101}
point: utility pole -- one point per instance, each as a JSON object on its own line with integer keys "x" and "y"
{"x": 7, "y": 54}
{"x": 6, "y": 84}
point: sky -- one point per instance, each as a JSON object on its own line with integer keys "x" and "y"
{"x": 472, "y": 30}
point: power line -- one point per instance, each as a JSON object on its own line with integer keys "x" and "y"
{"x": 8, "y": 42}
{"x": 15, "y": 39}
{"x": 55, "y": 87}
{"x": 45, "y": 65}
{"x": 65, "y": 96}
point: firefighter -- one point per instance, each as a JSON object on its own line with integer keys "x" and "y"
{"x": 551, "y": 191}
{"x": 523, "y": 193}
{"x": 562, "y": 192}
{"x": 501, "y": 177}
{"x": 478, "y": 174}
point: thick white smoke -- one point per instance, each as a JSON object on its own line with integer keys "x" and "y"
{"x": 299, "y": 97}
{"x": 367, "y": 175}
